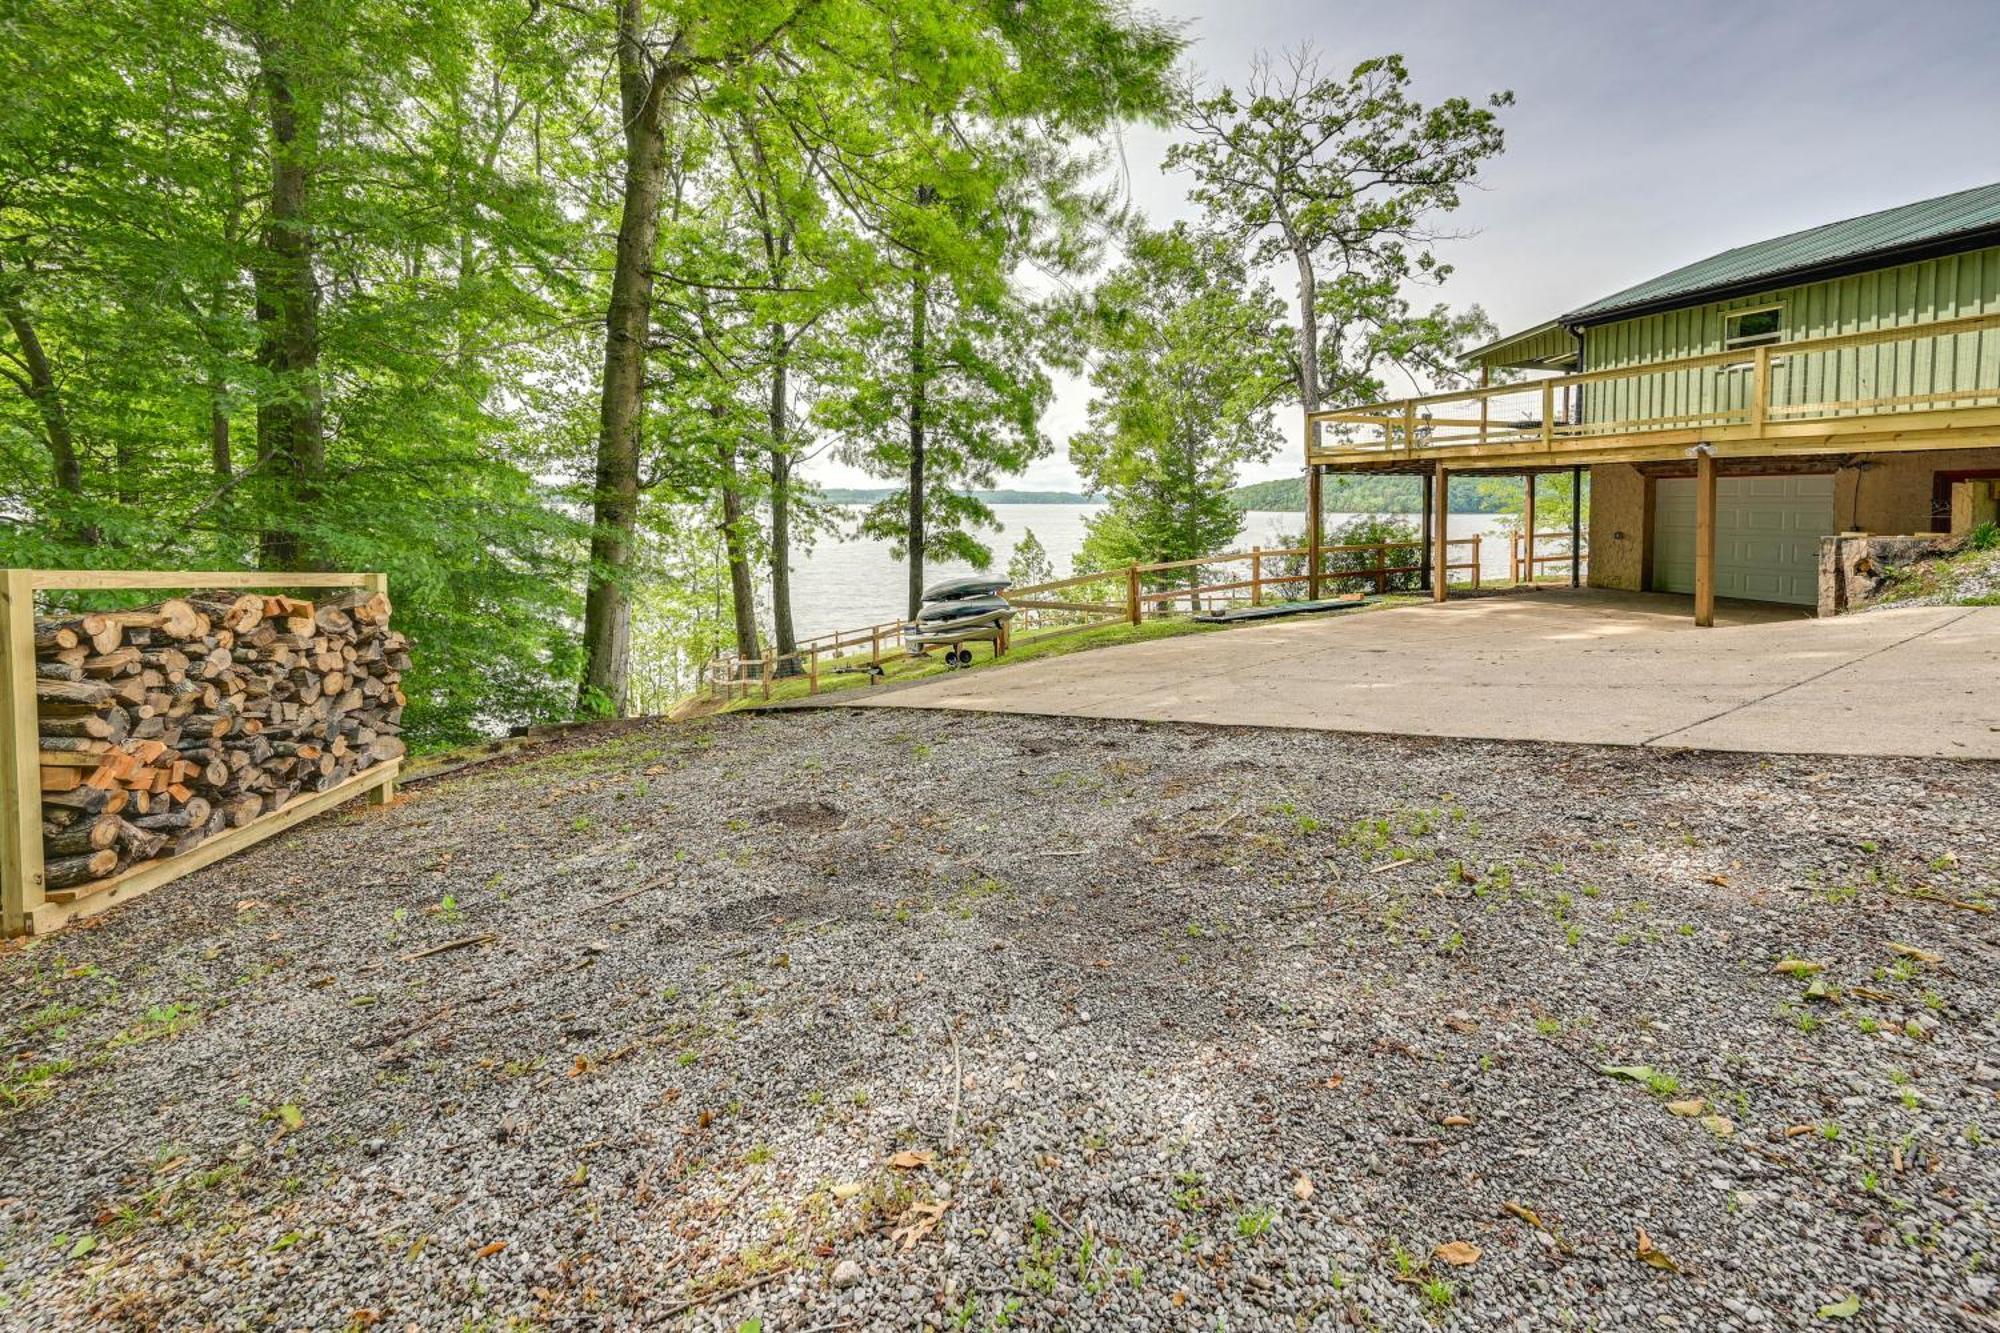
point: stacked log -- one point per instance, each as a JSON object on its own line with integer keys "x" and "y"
{"x": 166, "y": 726}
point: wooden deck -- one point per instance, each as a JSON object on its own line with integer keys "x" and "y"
{"x": 1928, "y": 385}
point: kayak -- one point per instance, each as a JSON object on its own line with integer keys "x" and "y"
{"x": 958, "y": 590}
{"x": 964, "y": 608}
{"x": 956, "y": 631}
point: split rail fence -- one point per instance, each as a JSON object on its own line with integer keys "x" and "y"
{"x": 28, "y": 902}
{"x": 1113, "y": 597}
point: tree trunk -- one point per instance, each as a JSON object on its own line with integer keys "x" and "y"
{"x": 607, "y": 612}
{"x": 742, "y": 592}
{"x": 781, "y": 508}
{"x": 291, "y": 425}
{"x": 43, "y": 392}
{"x": 919, "y": 388}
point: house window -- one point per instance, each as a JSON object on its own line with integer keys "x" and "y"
{"x": 1753, "y": 328}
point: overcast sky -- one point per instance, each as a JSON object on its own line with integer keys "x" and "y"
{"x": 1643, "y": 135}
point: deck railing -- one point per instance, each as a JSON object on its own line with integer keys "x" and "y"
{"x": 1926, "y": 376}
{"x": 1119, "y": 596}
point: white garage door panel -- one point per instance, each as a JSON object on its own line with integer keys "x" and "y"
{"x": 1767, "y": 532}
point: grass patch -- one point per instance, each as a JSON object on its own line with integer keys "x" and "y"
{"x": 1028, "y": 646}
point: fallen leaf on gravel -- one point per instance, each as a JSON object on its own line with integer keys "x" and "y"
{"x": 291, "y": 1117}
{"x": 1335, "y": 1080}
{"x": 1650, "y": 1253}
{"x": 1458, "y": 1024}
{"x": 911, "y": 1158}
{"x": 83, "y": 1246}
{"x": 1303, "y": 1186}
{"x": 1846, "y": 1309}
{"x": 1912, "y": 951}
{"x": 1462, "y": 1253}
{"x": 846, "y": 1189}
{"x": 1870, "y": 993}
{"x": 1522, "y": 1211}
{"x": 1798, "y": 967}
{"x": 1455, "y": 1121}
{"x": 1719, "y": 1125}
{"x": 1693, "y": 1106}
{"x": 1637, "y": 1073}
{"x": 488, "y": 1251}
{"x": 1720, "y": 881}
{"x": 917, "y": 1223}
{"x": 1794, "y": 1131}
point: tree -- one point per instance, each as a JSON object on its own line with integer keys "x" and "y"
{"x": 879, "y": 117}
{"x": 1349, "y": 179}
{"x": 1029, "y": 563}
{"x": 1187, "y": 360}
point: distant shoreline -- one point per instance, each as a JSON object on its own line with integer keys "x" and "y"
{"x": 1284, "y": 495}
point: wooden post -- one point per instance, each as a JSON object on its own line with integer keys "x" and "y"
{"x": 770, "y": 669}
{"x": 875, "y": 645}
{"x": 1576, "y": 527}
{"x": 386, "y": 792}
{"x": 1132, "y": 593}
{"x": 1704, "y": 538}
{"x": 1314, "y": 501}
{"x": 1442, "y": 490}
{"x": 1528, "y": 542}
{"x": 1760, "y": 389}
{"x": 812, "y": 671}
{"x": 1485, "y": 405}
{"x": 1256, "y": 576}
{"x": 1410, "y": 428}
{"x": 1477, "y": 559}
{"x": 1429, "y": 570}
{"x": 1548, "y": 414}
{"x": 21, "y": 881}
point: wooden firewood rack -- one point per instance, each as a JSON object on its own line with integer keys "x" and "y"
{"x": 24, "y": 906}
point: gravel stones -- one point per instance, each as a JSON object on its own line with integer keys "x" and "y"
{"x": 1113, "y": 989}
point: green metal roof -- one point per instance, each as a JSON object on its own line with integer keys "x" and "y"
{"x": 1911, "y": 226}
{"x": 1540, "y": 348}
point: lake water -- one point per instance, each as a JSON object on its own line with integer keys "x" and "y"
{"x": 849, "y": 584}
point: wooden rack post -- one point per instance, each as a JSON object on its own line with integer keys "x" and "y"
{"x": 24, "y": 905}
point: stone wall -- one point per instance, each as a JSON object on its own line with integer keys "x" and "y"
{"x": 1854, "y": 566}
{"x": 1617, "y": 527}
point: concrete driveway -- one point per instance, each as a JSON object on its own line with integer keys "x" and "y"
{"x": 1569, "y": 665}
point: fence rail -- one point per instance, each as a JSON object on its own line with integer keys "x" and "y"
{"x": 1120, "y": 596}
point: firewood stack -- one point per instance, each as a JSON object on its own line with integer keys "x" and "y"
{"x": 162, "y": 727}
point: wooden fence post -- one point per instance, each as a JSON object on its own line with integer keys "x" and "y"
{"x": 21, "y": 883}
{"x": 770, "y": 669}
{"x": 386, "y": 791}
{"x": 1477, "y": 538}
{"x": 1256, "y": 576}
{"x": 812, "y": 671}
{"x": 875, "y": 645}
{"x": 1132, "y": 593}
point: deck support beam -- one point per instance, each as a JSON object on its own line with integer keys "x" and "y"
{"x": 1313, "y": 524}
{"x": 1441, "y": 557}
{"x": 1528, "y": 513}
{"x": 1576, "y": 527}
{"x": 1704, "y": 538}
{"x": 1430, "y": 567}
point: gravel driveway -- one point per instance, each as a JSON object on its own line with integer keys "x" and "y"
{"x": 874, "y": 1020}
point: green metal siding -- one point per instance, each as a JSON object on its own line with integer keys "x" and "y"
{"x": 1931, "y": 289}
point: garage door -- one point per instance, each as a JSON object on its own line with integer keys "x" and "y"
{"x": 1767, "y": 532}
